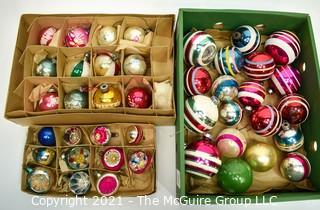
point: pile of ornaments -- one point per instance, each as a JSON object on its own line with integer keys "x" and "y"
{"x": 227, "y": 154}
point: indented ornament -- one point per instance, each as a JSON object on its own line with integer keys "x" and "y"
{"x": 106, "y": 65}
{"x": 46, "y": 68}
{"x": 246, "y": 38}
{"x": 107, "y": 35}
{"x": 72, "y": 136}
{"x": 77, "y": 37}
{"x": 79, "y": 183}
{"x": 229, "y": 61}
{"x": 139, "y": 97}
{"x": 46, "y": 35}
{"x": 100, "y": 135}
{"x": 259, "y": 66}
{"x": 197, "y": 81}
{"x": 135, "y": 34}
{"x": 225, "y": 88}
{"x": 46, "y": 136}
{"x": 230, "y": 113}
{"x": 43, "y": 156}
{"x": 231, "y": 143}
{"x": 134, "y": 134}
{"x": 107, "y": 184}
{"x": 106, "y": 96}
{"x": 295, "y": 167}
{"x": 39, "y": 179}
{"x": 134, "y": 64}
{"x": 76, "y": 158}
{"x": 76, "y": 99}
{"x": 251, "y": 94}
{"x": 290, "y": 138}
{"x": 112, "y": 158}
{"x": 139, "y": 161}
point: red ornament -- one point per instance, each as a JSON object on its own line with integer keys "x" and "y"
{"x": 251, "y": 94}
{"x": 197, "y": 81}
{"x": 46, "y": 35}
{"x": 139, "y": 98}
{"x": 77, "y": 37}
{"x": 266, "y": 120}
{"x": 113, "y": 158}
{"x": 259, "y": 66}
{"x": 49, "y": 101}
{"x": 294, "y": 108}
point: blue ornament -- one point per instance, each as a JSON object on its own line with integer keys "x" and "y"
{"x": 228, "y": 61}
{"x": 290, "y": 138}
{"x": 225, "y": 88}
{"x": 246, "y": 38}
{"x": 46, "y": 136}
{"x": 230, "y": 113}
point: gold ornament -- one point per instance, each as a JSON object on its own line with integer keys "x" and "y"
{"x": 107, "y": 35}
{"x": 135, "y": 34}
{"x": 134, "y": 65}
{"x": 106, "y": 96}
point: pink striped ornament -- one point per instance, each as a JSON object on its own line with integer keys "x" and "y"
{"x": 251, "y": 94}
{"x": 259, "y": 66}
{"x": 295, "y": 167}
{"x": 231, "y": 143}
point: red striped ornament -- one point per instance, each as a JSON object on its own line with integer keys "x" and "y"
{"x": 197, "y": 81}
{"x": 259, "y": 66}
{"x": 251, "y": 94}
{"x": 231, "y": 143}
{"x": 283, "y": 46}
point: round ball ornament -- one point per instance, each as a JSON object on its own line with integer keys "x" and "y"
{"x": 225, "y": 88}
{"x": 259, "y": 66}
{"x": 229, "y": 61}
{"x": 290, "y": 138}
{"x": 43, "y": 156}
{"x": 251, "y": 94}
{"x": 246, "y": 38}
{"x": 106, "y": 96}
{"x": 134, "y": 134}
{"x": 199, "y": 48}
{"x": 100, "y": 135}
{"x": 231, "y": 143}
{"x": 134, "y": 64}
{"x": 106, "y": 65}
{"x": 77, "y": 37}
{"x": 76, "y": 158}
{"x": 113, "y": 158}
{"x": 107, "y": 184}
{"x": 72, "y": 136}
{"x": 197, "y": 81}
{"x": 39, "y": 179}
{"x": 46, "y": 68}
{"x": 294, "y": 108}
{"x": 76, "y": 99}
{"x": 135, "y": 34}
{"x": 295, "y": 167}
{"x": 266, "y": 120}
{"x": 283, "y": 46}
{"x": 46, "y": 136}
{"x": 79, "y": 183}
{"x": 230, "y": 113}
{"x": 46, "y": 35}
{"x": 139, "y": 161}
{"x": 235, "y": 176}
{"x": 139, "y": 97}
{"x": 107, "y": 35}
{"x": 49, "y": 100}
{"x": 200, "y": 114}
{"x": 261, "y": 157}
{"x": 202, "y": 158}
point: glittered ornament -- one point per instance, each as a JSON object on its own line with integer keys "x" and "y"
{"x": 46, "y": 68}
{"x": 225, "y": 88}
{"x": 229, "y": 61}
{"x": 202, "y": 158}
{"x": 266, "y": 120}
{"x": 77, "y": 37}
{"x": 100, "y": 135}
{"x": 294, "y": 108}
{"x": 134, "y": 134}
{"x": 107, "y": 35}
{"x": 295, "y": 167}
{"x": 199, "y": 48}
{"x": 106, "y": 65}
{"x": 46, "y": 35}
{"x": 251, "y": 94}
{"x": 76, "y": 99}
{"x": 39, "y": 179}
{"x": 107, "y": 184}
{"x": 135, "y": 34}
{"x": 283, "y": 46}
{"x": 72, "y": 136}
{"x": 49, "y": 100}
{"x": 261, "y": 157}
{"x": 230, "y": 113}
{"x": 290, "y": 138}
{"x": 78, "y": 68}
{"x": 197, "y": 81}
{"x": 259, "y": 66}
{"x": 43, "y": 156}
{"x": 235, "y": 176}
{"x": 76, "y": 158}
{"x": 139, "y": 161}
{"x": 200, "y": 113}
{"x": 112, "y": 158}
{"x": 286, "y": 80}
{"x": 106, "y": 96}
{"x": 231, "y": 143}
{"x": 134, "y": 64}
{"x": 46, "y": 136}
{"x": 139, "y": 98}
{"x": 246, "y": 38}
{"x": 79, "y": 183}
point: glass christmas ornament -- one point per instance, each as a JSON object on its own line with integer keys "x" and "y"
{"x": 139, "y": 97}
{"x": 231, "y": 143}
{"x": 76, "y": 99}
{"x": 134, "y": 134}
{"x": 43, "y": 156}
{"x": 259, "y": 66}
{"x": 225, "y": 88}
{"x": 230, "y": 113}
{"x": 100, "y": 135}
{"x": 46, "y": 68}
{"x": 139, "y": 161}
{"x": 39, "y": 179}
{"x": 246, "y": 38}
{"x": 79, "y": 68}
{"x": 77, "y": 36}
{"x": 197, "y": 81}
{"x": 251, "y": 94}
{"x": 106, "y": 96}
{"x": 295, "y": 167}
{"x": 106, "y": 65}
{"x": 107, "y": 35}
{"x": 46, "y": 35}
{"x": 79, "y": 183}
{"x": 72, "y": 136}
{"x": 290, "y": 138}
{"x": 228, "y": 61}
{"x": 46, "y": 136}
{"x": 112, "y": 158}
{"x": 76, "y": 158}
{"x": 261, "y": 157}
{"x": 134, "y": 64}
{"x": 49, "y": 100}
{"x": 135, "y": 34}
{"x": 107, "y": 184}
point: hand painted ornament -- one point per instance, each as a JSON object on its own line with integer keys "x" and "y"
{"x": 107, "y": 35}
{"x": 231, "y": 143}
{"x": 246, "y": 38}
{"x": 46, "y": 35}
{"x": 46, "y": 136}
{"x": 295, "y": 167}
{"x": 199, "y": 48}
{"x": 106, "y": 96}
{"x": 259, "y": 66}
{"x": 197, "y": 81}
{"x": 79, "y": 68}
{"x": 46, "y": 68}
{"x": 286, "y": 80}
{"x": 77, "y": 158}
{"x": 79, "y": 183}
{"x": 139, "y": 98}
{"x": 290, "y": 138}
{"x": 77, "y": 37}
{"x": 107, "y": 184}
{"x": 261, "y": 157}
{"x": 134, "y": 134}
{"x": 283, "y": 46}
{"x": 72, "y": 136}
{"x": 39, "y": 179}
{"x": 294, "y": 109}
{"x": 43, "y": 156}
{"x": 106, "y": 65}
{"x": 225, "y": 88}
{"x": 200, "y": 114}
{"x": 100, "y": 135}
{"x": 230, "y": 113}
{"x": 229, "y": 61}
{"x": 134, "y": 65}
{"x": 202, "y": 158}
{"x": 139, "y": 162}
{"x": 113, "y": 158}
{"x": 49, "y": 100}
{"x": 135, "y": 34}
{"x": 235, "y": 176}
{"x": 251, "y": 94}
{"x": 76, "y": 99}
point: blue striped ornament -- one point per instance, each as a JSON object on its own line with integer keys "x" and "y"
{"x": 225, "y": 88}
{"x": 246, "y": 38}
{"x": 229, "y": 61}
{"x": 289, "y": 139}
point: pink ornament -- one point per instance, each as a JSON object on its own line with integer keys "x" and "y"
{"x": 139, "y": 97}
{"x": 259, "y": 66}
{"x": 108, "y": 184}
{"x": 100, "y": 135}
{"x": 113, "y": 158}
{"x": 49, "y": 101}
{"x": 77, "y": 37}
{"x": 46, "y": 35}
{"x": 251, "y": 94}
{"x": 231, "y": 143}
{"x": 197, "y": 81}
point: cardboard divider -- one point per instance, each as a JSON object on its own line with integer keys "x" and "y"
{"x": 98, "y": 50}
{"x": 145, "y": 53}
{"x": 159, "y": 62}
{"x": 163, "y": 32}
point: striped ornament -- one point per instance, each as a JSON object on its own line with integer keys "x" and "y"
{"x": 259, "y": 66}
{"x": 266, "y": 120}
{"x": 251, "y": 94}
{"x": 295, "y": 167}
{"x": 289, "y": 139}
{"x": 225, "y": 88}
{"x": 197, "y": 81}
{"x": 283, "y": 46}
{"x": 229, "y": 61}
{"x": 286, "y": 80}
{"x": 199, "y": 48}
{"x": 231, "y": 143}
{"x": 294, "y": 108}
{"x": 200, "y": 114}
{"x": 246, "y": 38}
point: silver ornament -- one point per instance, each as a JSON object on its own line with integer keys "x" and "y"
{"x": 76, "y": 99}
{"x": 230, "y": 113}
{"x": 104, "y": 65}
{"x": 79, "y": 183}
{"x": 134, "y": 33}
{"x": 107, "y": 35}
{"x": 295, "y": 167}
{"x": 134, "y": 65}
{"x": 46, "y": 68}
{"x": 39, "y": 179}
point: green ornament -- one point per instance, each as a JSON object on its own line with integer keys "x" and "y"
{"x": 77, "y": 70}
{"x": 235, "y": 176}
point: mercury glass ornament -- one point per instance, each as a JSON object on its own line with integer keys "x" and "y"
{"x": 76, "y": 158}
{"x": 135, "y": 34}
{"x": 106, "y": 96}
{"x": 231, "y": 143}
{"x": 107, "y": 35}
{"x": 290, "y": 138}
{"x": 139, "y": 97}
{"x": 225, "y": 88}
{"x": 295, "y": 167}
{"x": 43, "y": 156}
{"x": 49, "y": 100}
{"x": 107, "y": 184}
{"x": 46, "y": 136}
{"x": 72, "y": 136}
{"x": 134, "y": 65}
{"x": 79, "y": 183}
{"x": 79, "y": 68}
{"x": 46, "y": 68}
{"x": 139, "y": 161}
{"x": 76, "y": 99}
{"x": 100, "y": 135}
{"x": 77, "y": 36}
{"x": 230, "y": 113}
{"x": 106, "y": 65}
{"x": 39, "y": 179}
{"x": 46, "y": 35}
{"x": 134, "y": 134}
{"x": 113, "y": 158}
